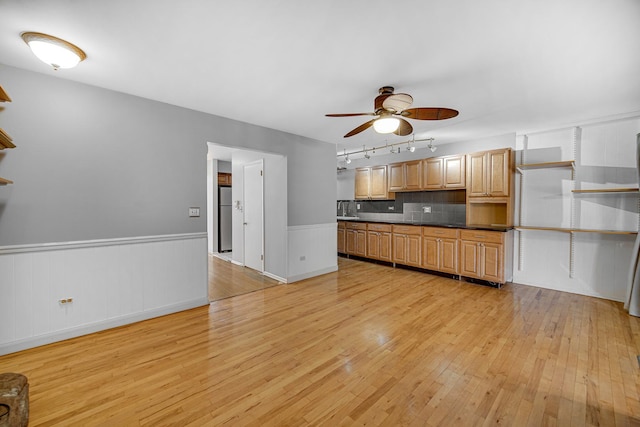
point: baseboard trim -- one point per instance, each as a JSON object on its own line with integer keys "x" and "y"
{"x": 312, "y": 274}
{"x": 78, "y": 331}
{"x": 274, "y": 277}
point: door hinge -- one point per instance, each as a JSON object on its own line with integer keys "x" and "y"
{"x": 260, "y": 172}
{"x": 261, "y": 257}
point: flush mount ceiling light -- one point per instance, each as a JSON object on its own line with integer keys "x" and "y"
{"x": 53, "y": 51}
{"x": 386, "y": 124}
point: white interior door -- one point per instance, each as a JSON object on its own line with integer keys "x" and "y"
{"x": 253, "y": 216}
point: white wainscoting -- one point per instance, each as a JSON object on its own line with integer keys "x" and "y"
{"x": 112, "y": 282}
{"x": 312, "y": 250}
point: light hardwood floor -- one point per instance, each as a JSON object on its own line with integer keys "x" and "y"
{"x": 228, "y": 280}
{"x": 367, "y": 345}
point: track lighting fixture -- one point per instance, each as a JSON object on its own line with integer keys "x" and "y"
{"x": 394, "y": 148}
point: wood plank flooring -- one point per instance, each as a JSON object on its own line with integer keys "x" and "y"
{"x": 367, "y": 345}
{"x": 229, "y": 280}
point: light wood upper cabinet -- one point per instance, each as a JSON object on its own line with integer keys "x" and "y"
{"x": 444, "y": 172}
{"x": 224, "y": 178}
{"x": 371, "y": 183}
{"x": 489, "y": 173}
{"x": 405, "y": 176}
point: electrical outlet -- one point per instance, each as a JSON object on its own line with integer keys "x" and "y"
{"x": 391, "y": 208}
{"x": 426, "y": 209}
{"x": 302, "y": 258}
{"x": 358, "y": 206}
{"x": 194, "y": 211}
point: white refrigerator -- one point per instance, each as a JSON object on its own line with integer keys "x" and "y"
{"x": 224, "y": 219}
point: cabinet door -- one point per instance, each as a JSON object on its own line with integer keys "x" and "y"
{"x": 400, "y": 248}
{"x": 432, "y": 173}
{"x": 378, "y": 186}
{"x": 341, "y": 240}
{"x": 362, "y": 183}
{"x": 373, "y": 244}
{"x": 492, "y": 261}
{"x": 350, "y": 241}
{"x": 413, "y": 175}
{"x": 385, "y": 246}
{"x": 469, "y": 259}
{"x": 361, "y": 243}
{"x": 414, "y": 251}
{"x": 476, "y": 171}
{"x": 455, "y": 172}
{"x": 498, "y": 170}
{"x": 448, "y": 256}
{"x": 430, "y": 253}
{"x": 396, "y": 177}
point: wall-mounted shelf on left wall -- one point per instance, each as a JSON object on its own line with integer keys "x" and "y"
{"x": 5, "y": 139}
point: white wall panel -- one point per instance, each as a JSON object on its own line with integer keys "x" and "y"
{"x": 112, "y": 282}
{"x": 605, "y": 157}
{"x": 307, "y": 260}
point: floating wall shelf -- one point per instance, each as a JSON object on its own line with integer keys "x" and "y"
{"x": 3, "y": 96}
{"x": 4, "y": 181}
{"x": 574, "y": 230}
{"x": 546, "y": 165}
{"x": 607, "y": 190}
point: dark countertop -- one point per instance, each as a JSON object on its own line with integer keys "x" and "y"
{"x": 430, "y": 224}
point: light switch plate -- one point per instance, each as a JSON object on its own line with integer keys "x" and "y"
{"x": 194, "y": 211}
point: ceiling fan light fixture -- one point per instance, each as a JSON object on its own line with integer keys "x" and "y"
{"x": 386, "y": 124}
{"x": 51, "y": 50}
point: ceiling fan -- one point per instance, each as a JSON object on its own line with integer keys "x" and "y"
{"x": 392, "y": 109}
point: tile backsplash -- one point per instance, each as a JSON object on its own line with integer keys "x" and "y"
{"x": 446, "y": 207}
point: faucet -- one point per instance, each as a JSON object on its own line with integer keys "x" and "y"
{"x": 341, "y": 205}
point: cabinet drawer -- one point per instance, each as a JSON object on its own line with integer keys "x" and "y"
{"x": 407, "y": 229}
{"x": 482, "y": 236}
{"x": 379, "y": 227}
{"x": 451, "y": 233}
{"x": 356, "y": 225}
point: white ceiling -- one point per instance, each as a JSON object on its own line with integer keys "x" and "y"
{"x": 507, "y": 66}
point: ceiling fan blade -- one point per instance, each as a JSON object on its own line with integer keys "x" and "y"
{"x": 350, "y": 114}
{"x": 360, "y": 128}
{"x": 433, "y": 113}
{"x": 397, "y": 102}
{"x": 404, "y": 128}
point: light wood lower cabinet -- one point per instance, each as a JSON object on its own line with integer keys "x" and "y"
{"x": 341, "y": 237}
{"x": 482, "y": 255}
{"x": 440, "y": 249}
{"x": 478, "y": 254}
{"x": 407, "y": 245}
{"x": 379, "y": 242}
{"x": 356, "y": 239}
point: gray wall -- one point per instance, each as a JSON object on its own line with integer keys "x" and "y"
{"x": 92, "y": 163}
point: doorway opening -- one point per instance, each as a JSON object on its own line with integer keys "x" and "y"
{"x": 254, "y": 202}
